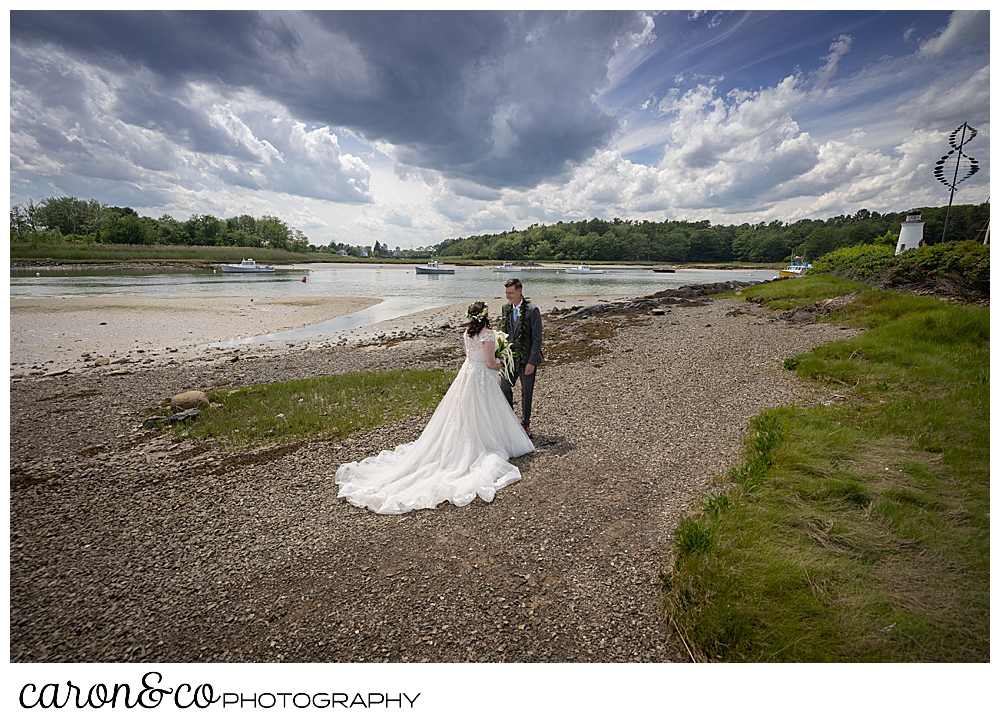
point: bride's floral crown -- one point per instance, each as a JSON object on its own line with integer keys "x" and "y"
{"x": 481, "y": 314}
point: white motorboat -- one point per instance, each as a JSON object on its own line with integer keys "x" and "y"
{"x": 247, "y": 266}
{"x": 505, "y": 266}
{"x": 433, "y": 268}
{"x": 584, "y": 269}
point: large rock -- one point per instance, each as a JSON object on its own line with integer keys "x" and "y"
{"x": 192, "y": 399}
{"x": 150, "y": 422}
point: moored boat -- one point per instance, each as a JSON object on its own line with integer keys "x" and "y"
{"x": 663, "y": 271}
{"x": 505, "y": 266}
{"x": 797, "y": 268}
{"x": 433, "y": 268}
{"x": 584, "y": 269}
{"x": 247, "y": 266}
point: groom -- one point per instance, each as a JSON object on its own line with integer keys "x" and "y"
{"x": 522, "y": 322}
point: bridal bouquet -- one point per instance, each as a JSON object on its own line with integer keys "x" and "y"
{"x": 505, "y": 354}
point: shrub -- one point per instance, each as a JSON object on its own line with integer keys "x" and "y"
{"x": 865, "y": 262}
{"x": 961, "y": 268}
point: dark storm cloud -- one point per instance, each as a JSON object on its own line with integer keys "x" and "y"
{"x": 500, "y": 99}
{"x": 172, "y": 44}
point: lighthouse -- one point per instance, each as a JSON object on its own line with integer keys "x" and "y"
{"x": 911, "y": 232}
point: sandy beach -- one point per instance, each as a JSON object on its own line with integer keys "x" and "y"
{"x": 63, "y": 329}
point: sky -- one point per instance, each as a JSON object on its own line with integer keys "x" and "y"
{"x": 413, "y": 127}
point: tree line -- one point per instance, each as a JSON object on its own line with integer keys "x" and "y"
{"x": 701, "y": 241}
{"x": 72, "y": 219}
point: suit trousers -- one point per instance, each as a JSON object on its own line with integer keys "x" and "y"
{"x": 527, "y": 388}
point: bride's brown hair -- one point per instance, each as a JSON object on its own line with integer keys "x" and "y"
{"x": 479, "y": 319}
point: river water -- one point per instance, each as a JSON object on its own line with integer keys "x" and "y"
{"x": 403, "y": 290}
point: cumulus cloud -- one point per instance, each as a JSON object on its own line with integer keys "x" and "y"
{"x": 735, "y": 149}
{"x": 964, "y": 28}
{"x": 123, "y": 130}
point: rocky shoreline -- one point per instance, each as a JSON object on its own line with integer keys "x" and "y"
{"x": 127, "y": 546}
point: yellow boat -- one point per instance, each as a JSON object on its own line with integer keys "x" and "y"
{"x": 796, "y": 269}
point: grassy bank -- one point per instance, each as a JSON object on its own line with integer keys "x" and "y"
{"x": 311, "y": 409}
{"x": 83, "y": 253}
{"x": 856, "y": 529}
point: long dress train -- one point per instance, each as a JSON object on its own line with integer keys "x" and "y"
{"x": 463, "y": 452}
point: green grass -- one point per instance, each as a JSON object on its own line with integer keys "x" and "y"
{"x": 789, "y": 293}
{"x": 857, "y": 531}
{"x": 310, "y": 409}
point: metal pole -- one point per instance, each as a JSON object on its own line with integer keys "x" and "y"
{"x": 954, "y": 182}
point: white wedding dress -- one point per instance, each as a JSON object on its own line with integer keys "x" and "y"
{"x": 463, "y": 452}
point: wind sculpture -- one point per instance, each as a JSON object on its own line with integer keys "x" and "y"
{"x": 943, "y": 168}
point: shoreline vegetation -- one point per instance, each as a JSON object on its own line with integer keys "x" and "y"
{"x": 857, "y": 529}
{"x": 68, "y": 228}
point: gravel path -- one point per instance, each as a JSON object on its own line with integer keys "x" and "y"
{"x": 126, "y": 546}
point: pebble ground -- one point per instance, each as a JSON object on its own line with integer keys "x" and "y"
{"x": 127, "y": 546}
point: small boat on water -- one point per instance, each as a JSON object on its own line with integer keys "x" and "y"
{"x": 433, "y": 268}
{"x": 663, "y": 271}
{"x": 798, "y": 268}
{"x": 584, "y": 269}
{"x": 247, "y": 266}
{"x": 505, "y": 266}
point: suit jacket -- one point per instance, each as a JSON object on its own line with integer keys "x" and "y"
{"x": 529, "y": 349}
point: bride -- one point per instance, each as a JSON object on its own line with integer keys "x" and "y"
{"x": 462, "y": 453}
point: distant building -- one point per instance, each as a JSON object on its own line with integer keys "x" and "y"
{"x": 362, "y": 251}
{"x": 911, "y": 232}
{"x": 342, "y": 252}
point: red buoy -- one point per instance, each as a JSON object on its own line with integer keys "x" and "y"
{"x": 303, "y": 279}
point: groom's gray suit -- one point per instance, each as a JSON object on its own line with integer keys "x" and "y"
{"x": 525, "y": 336}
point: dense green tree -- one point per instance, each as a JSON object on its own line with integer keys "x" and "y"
{"x": 204, "y": 230}
{"x": 173, "y": 232}
{"x": 69, "y": 216}
{"x": 762, "y": 243}
{"x": 128, "y": 229}
{"x": 710, "y": 245}
{"x": 597, "y": 239}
